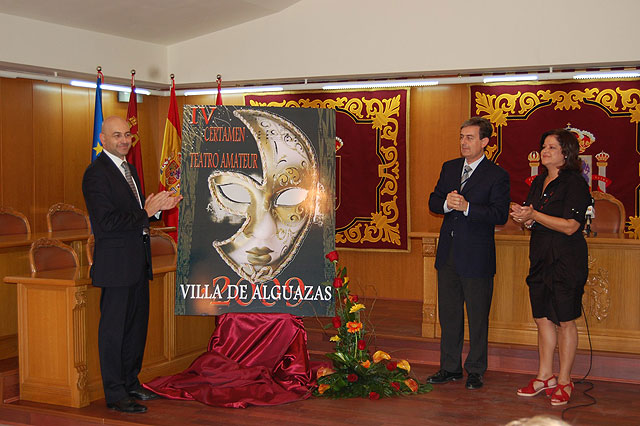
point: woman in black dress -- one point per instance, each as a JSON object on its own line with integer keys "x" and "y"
{"x": 555, "y": 212}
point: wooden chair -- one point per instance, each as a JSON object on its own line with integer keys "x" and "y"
{"x": 610, "y": 214}
{"x": 12, "y": 222}
{"x": 91, "y": 243}
{"x": 161, "y": 243}
{"x": 63, "y": 217}
{"x": 47, "y": 254}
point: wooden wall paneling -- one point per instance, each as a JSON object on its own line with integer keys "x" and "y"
{"x": 387, "y": 275}
{"x": 48, "y": 149}
{"x": 1, "y": 146}
{"x": 77, "y": 134}
{"x": 16, "y": 109}
{"x": 436, "y": 115}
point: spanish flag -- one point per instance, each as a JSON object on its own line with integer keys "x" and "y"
{"x": 171, "y": 159}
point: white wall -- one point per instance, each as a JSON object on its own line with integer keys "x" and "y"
{"x": 351, "y": 37}
{"x": 36, "y": 43}
{"x": 324, "y": 38}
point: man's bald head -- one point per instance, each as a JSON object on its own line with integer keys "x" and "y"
{"x": 115, "y": 136}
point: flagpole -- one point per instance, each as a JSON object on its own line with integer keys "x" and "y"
{"x": 96, "y": 146}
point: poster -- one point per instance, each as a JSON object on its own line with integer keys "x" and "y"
{"x": 257, "y": 216}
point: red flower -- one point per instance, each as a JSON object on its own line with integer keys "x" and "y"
{"x": 362, "y": 345}
{"x": 352, "y": 377}
{"x": 353, "y": 298}
{"x": 391, "y": 365}
{"x": 337, "y": 323}
{"x": 396, "y": 386}
{"x": 337, "y": 282}
{"x": 332, "y": 256}
{"x": 374, "y": 395}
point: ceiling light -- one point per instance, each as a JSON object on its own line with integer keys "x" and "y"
{"x": 500, "y": 78}
{"x": 230, "y": 90}
{"x": 113, "y": 87}
{"x": 612, "y": 74}
{"x": 380, "y": 84}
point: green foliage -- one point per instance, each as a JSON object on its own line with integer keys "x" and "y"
{"x": 357, "y": 373}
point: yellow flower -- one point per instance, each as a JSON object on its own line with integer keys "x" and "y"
{"x": 345, "y": 280}
{"x": 366, "y": 364}
{"x": 354, "y": 326}
{"x": 404, "y": 364}
{"x": 335, "y": 338}
{"x": 379, "y": 356}
{"x": 356, "y": 308}
{"x": 411, "y": 384}
{"x": 325, "y": 371}
{"x": 323, "y": 387}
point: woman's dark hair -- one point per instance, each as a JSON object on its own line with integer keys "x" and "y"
{"x": 569, "y": 146}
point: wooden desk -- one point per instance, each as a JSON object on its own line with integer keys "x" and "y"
{"x": 58, "y": 315}
{"x": 611, "y": 300}
{"x": 14, "y": 260}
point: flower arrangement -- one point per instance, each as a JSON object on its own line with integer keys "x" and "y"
{"x": 355, "y": 372}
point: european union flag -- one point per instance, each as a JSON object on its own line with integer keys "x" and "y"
{"x": 97, "y": 121}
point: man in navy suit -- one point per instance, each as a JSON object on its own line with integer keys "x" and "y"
{"x": 122, "y": 264}
{"x": 473, "y": 194}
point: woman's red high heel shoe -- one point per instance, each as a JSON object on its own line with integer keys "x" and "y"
{"x": 563, "y": 397}
{"x": 530, "y": 390}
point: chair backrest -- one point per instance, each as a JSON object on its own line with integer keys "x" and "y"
{"x": 63, "y": 217}
{"x": 13, "y": 222}
{"x": 610, "y": 214}
{"x": 91, "y": 243}
{"x": 47, "y": 254}
{"x": 161, "y": 243}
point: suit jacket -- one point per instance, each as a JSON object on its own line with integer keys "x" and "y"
{"x": 472, "y": 236}
{"x": 121, "y": 256}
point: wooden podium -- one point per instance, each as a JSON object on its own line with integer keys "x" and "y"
{"x": 611, "y": 300}
{"x": 58, "y": 315}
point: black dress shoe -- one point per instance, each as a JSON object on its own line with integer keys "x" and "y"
{"x": 127, "y": 405}
{"x": 143, "y": 394}
{"x": 474, "y": 381}
{"x": 443, "y": 376}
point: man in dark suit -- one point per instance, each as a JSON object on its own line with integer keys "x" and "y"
{"x": 122, "y": 264}
{"x": 473, "y": 194}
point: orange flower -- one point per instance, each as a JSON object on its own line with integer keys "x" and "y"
{"x": 366, "y": 364}
{"x": 411, "y": 384}
{"x": 325, "y": 371}
{"x": 354, "y": 326}
{"x": 353, "y": 298}
{"x": 379, "y": 356}
{"x": 404, "y": 364}
{"x": 323, "y": 387}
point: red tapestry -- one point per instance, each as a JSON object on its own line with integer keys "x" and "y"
{"x": 603, "y": 115}
{"x": 371, "y": 163}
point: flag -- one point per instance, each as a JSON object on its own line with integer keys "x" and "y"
{"x": 135, "y": 153}
{"x": 219, "y": 97}
{"x": 96, "y": 147}
{"x": 171, "y": 158}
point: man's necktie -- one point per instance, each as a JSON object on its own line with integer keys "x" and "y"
{"x": 465, "y": 176}
{"x": 127, "y": 175}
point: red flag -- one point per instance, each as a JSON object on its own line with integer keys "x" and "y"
{"x": 135, "y": 153}
{"x": 219, "y": 97}
{"x": 171, "y": 159}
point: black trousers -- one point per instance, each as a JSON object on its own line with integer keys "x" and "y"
{"x": 454, "y": 292}
{"x": 122, "y": 334}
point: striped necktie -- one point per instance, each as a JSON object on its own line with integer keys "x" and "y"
{"x": 465, "y": 176}
{"x": 127, "y": 175}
